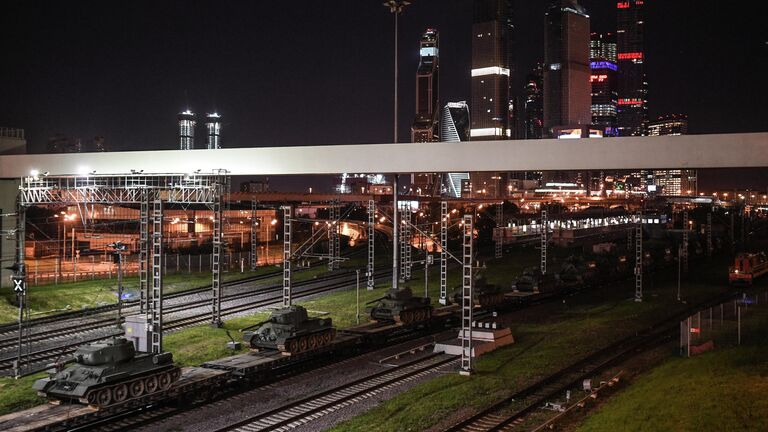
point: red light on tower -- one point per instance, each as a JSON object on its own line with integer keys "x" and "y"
{"x": 622, "y": 5}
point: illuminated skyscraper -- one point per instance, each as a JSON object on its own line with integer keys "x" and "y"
{"x": 187, "y": 130}
{"x": 454, "y": 126}
{"x": 492, "y": 31}
{"x": 567, "y": 92}
{"x": 426, "y": 124}
{"x": 632, "y": 86}
{"x": 674, "y": 181}
{"x": 603, "y": 82}
{"x": 532, "y": 106}
{"x": 213, "y": 127}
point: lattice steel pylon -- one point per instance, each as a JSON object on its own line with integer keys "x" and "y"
{"x": 443, "y": 253}
{"x": 408, "y": 241}
{"x": 371, "y": 244}
{"x": 156, "y": 301}
{"x": 216, "y": 257}
{"x": 499, "y": 231}
{"x": 709, "y": 234}
{"x": 544, "y": 233}
{"x": 144, "y": 253}
{"x": 467, "y": 303}
{"x": 685, "y": 242}
{"x": 254, "y": 235}
{"x": 402, "y": 241}
{"x": 639, "y": 257}
{"x": 333, "y": 236}
{"x": 287, "y": 238}
{"x": 337, "y": 236}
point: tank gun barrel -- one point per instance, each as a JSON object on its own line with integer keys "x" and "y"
{"x": 253, "y": 326}
{"x": 375, "y": 300}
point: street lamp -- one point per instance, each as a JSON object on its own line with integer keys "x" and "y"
{"x": 396, "y": 8}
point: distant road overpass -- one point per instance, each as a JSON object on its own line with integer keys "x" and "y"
{"x": 684, "y": 151}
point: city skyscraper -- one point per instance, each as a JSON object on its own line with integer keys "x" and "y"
{"x": 492, "y": 32}
{"x": 632, "y": 85}
{"x": 673, "y": 181}
{"x": 603, "y": 82}
{"x": 426, "y": 125}
{"x": 213, "y": 127}
{"x": 532, "y": 105}
{"x": 454, "y": 126}
{"x": 567, "y": 101}
{"x": 187, "y": 130}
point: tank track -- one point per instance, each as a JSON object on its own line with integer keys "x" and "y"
{"x": 308, "y": 342}
{"x": 116, "y": 393}
{"x": 410, "y": 316}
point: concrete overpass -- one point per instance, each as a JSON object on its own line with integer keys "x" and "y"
{"x": 684, "y": 151}
{"x": 627, "y": 153}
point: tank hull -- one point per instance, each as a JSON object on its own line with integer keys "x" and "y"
{"x": 105, "y": 385}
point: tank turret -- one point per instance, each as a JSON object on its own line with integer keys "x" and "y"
{"x": 291, "y": 331}
{"x": 109, "y": 373}
{"x": 401, "y": 306}
{"x": 484, "y": 294}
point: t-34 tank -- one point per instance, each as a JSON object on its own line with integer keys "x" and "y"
{"x": 485, "y": 295}
{"x": 401, "y": 306}
{"x": 533, "y": 281}
{"x": 291, "y": 331}
{"x": 107, "y": 373}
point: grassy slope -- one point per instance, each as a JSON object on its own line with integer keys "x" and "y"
{"x": 723, "y": 390}
{"x": 80, "y": 295}
{"x": 543, "y": 345}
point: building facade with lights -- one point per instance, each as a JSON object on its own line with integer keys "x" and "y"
{"x": 632, "y": 113}
{"x": 213, "y": 129}
{"x": 492, "y": 31}
{"x": 674, "y": 181}
{"x": 603, "y": 83}
{"x": 454, "y": 126}
{"x": 426, "y": 125}
{"x": 567, "y": 101}
{"x": 187, "y": 124}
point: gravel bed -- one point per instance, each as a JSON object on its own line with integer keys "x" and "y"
{"x": 268, "y": 397}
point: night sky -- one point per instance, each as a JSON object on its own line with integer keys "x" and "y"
{"x": 316, "y": 72}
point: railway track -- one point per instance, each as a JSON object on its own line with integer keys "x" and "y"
{"x": 9, "y": 339}
{"x": 10, "y": 328}
{"x": 38, "y": 359}
{"x": 305, "y": 410}
{"x": 510, "y": 412}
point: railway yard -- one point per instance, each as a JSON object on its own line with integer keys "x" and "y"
{"x": 582, "y": 344}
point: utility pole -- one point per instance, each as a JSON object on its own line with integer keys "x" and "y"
{"x": 396, "y": 8}
{"x": 118, "y": 248}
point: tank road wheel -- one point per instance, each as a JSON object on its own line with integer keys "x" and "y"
{"x": 328, "y": 337}
{"x": 91, "y": 397}
{"x": 405, "y": 317}
{"x": 136, "y": 388}
{"x": 313, "y": 341}
{"x": 120, "y": 393}
{"x": 293, "y": 346}
{"x": 165, "y": 380}
{"x": 303, "y": 343}
{"x": 103, "y": 397}
{"x": 175, "y": 375}
{"x": 150, "y": 383}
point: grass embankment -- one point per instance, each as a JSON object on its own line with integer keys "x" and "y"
{"x": 547, "y": 338}
{"x": 17, "y": 395}
{"x": 722, "y": 390}
{"x": 56, "y": 298}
